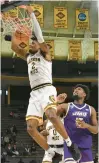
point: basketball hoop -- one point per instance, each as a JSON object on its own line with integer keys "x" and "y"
{"x": 11, "y": 22}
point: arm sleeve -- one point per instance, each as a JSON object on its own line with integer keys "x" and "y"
{"x": 37, "y": 29}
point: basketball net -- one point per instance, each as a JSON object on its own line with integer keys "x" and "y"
{"x": 10, "y": 21}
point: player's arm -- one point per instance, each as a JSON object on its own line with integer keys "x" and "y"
{"x": 38, "y": 34}
{"x": 62, "y": 109}
{"x": 17, "y": 49}
{"x": 93, "y": 127}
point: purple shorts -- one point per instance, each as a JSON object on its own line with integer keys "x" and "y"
{"x": 86, "y": 155}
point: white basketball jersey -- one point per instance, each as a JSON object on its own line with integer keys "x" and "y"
{"x": 39, "y": 69}
{"x": 54, "y": 138}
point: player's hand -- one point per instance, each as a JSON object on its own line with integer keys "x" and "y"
{"x": 29, "y": 9}
{"x": 61, "y": 97}
{"x": 44, "y": 133}
{"x": 81, "y": 124}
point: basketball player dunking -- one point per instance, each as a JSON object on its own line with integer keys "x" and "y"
{"x": 80, "y": 122}
{"x": 43, "y": 94}
{"x": 54, "y": 140}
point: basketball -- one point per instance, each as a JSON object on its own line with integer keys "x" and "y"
{"x": 21, "y": 36}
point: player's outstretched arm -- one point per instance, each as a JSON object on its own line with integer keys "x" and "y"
{"x": 62, "y": 109}
{"x": 38, "y": 34}
{"x": 17, "y": 49}
{"x": 61, "y": 98}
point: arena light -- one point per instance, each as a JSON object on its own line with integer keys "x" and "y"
{"x": 6, "y": 92}
{"x": 0, "y": 92}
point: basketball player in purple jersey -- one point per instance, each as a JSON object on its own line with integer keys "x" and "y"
{"x": 80, "y": 122}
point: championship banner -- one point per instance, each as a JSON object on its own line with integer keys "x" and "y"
{"x": 11, "y": 13}
{"x": 38, "y": 10}
{"x": 50, "y": 44}
{"x": 96, "y": 56}
{"x": 60, "y": 17}
{"x": 82, "y": 19}
{"x": 75, "y": 51}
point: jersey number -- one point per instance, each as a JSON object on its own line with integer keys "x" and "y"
{"x": 33, "y": 69}
{"x": 55, "y": 137}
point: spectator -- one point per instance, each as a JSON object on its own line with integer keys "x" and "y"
{"x": 14, "y": 137}
{"x": 10, "y": 140}
{"x": 21, "y": 149}
{"x": 2, "y": 140}
{"x": 20, "y": 161}
{"x": 6, "y": 140}
{"x": 9, "y": 150}
{"x": 11, "y": 114}
{"x": 33, "y": 148}
{"x": 96, "y": 159}
{"x": 16, "y": 115}
{"x": 14, "y": 129}
{"x": 3, "y": 159}
{"x": 15, "y": 150}
{"x": 27, "y": 150}
{"x": 8, "y": 130}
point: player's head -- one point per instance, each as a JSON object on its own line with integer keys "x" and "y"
{"x": 34, "y": 46}
{"x": 81, "y": 92}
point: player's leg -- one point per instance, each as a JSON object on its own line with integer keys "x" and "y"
{"x": 34, "y": 118}
{"x": 67, "y": 155}
{"x": 87, "y": 156}
{"x": 48, "y": 157}
{"x": 32, "y": 125}
{"x": 60, "y": 151}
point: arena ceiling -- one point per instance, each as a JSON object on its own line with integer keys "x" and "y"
{"x": 71, "y": 6}
{"x": 48, "y": 29}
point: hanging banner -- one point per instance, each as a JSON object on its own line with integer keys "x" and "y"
{"x": 50, "y": 44}
{"x": 60, "y": 17}
{"x": 75, "y": 51}
{"x": 96, "y": 50}
{"x": 11, "y": 13}
{"x": 82, "y": 19}
{"x": 38, "y": 10}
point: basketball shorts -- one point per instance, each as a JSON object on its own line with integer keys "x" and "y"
{"x": 41, "y": 100}
{"x": 86, "y": 155}
{"x": 48, "y": 157}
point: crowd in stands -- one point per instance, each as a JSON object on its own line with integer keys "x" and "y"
{"x": 9, "y": 144}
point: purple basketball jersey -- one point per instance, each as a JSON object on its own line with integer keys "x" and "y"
{"x": 82, "y": 137}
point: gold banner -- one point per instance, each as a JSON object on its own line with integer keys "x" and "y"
{"x": 60, "y": 17}
{"x": 11, "y": 13}
{"x": 82, "y": 19}
{"x": 50, "y": 44}
{"x": 38, "y": 10}
{"x": 96, "y": 55}
{"x": 75, "y": 51}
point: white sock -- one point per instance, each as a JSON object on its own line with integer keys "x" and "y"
{"x": 68, "y": 142}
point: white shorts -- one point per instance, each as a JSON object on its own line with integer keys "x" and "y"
{"x": 48, "y": 158}
{"x": 40, "y": 100}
